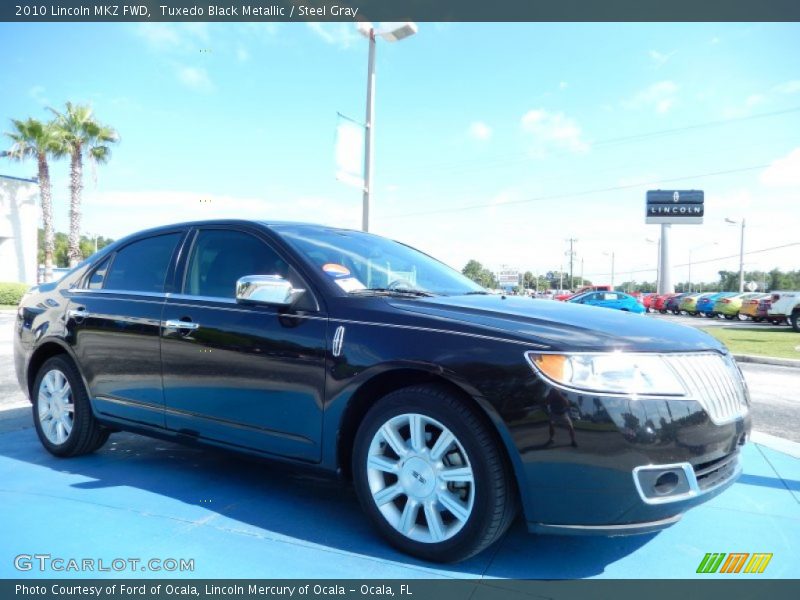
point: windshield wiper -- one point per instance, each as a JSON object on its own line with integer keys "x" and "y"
{"x": 391, "y": 291}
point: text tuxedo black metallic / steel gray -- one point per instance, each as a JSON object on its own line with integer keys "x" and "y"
{"x": 448, "y": 407}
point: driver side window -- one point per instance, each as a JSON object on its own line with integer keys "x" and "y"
{"x": 220, "y": 257}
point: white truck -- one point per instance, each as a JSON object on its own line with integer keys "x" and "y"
{"x": 787, "y": 305}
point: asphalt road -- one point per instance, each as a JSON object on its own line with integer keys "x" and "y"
{"x": 775, "y": 391}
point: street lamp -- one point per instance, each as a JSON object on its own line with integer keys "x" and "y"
{"x": 391, "y": 32}
{"x": 741, "y": 251}
{"x": 690, "y": 260}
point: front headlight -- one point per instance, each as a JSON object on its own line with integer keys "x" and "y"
{"x": 609, "y": 372}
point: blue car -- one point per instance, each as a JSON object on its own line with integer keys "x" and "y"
{"x": 705, "y": 305}
{"x": 615, "y": 300}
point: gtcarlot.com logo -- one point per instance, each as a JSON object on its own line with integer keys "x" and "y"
{"x": 735, "y": 562}
{"x": 47, "y": 562}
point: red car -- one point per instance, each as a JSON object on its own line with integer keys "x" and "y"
{"x": 660, "y": 303}
{"x": 648, "y": 299}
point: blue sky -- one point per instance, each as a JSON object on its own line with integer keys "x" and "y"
{"x": 488, "y": 116}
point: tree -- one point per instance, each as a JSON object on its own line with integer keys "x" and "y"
{"x": 33, "y": 139}
{"x": 480, "y": 275}
{"x": 60, "y": 255}
{"x": 82, "y": 136}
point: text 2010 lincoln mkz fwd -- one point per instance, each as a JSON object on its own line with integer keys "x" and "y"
{"x": 449, "y": 408}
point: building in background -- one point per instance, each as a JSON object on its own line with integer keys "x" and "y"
{"x": 18, "y": 229}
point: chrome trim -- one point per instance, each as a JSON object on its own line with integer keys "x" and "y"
{"x": 688, "y": 470}
{"x": 175, "y": 324}
{"x": 338, "y": 341}
{"x": 622, "y": 527}
{"x": 714, "y": 381}
{"x": 126, "y": 292}
{"x": 77, "y": 313}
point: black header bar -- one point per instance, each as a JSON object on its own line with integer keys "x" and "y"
{"x": 399, "y": 10}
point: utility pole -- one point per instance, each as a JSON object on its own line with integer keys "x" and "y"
{"x": 571, "y": 258}
{"x": 369, "y": 132}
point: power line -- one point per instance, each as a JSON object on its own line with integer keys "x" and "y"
{"x": 576, "y": 194}
{"x": 503, "y": 159}
{"x": 708, "y": 260}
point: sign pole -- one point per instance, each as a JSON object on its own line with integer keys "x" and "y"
{"x": 665, "y": 280}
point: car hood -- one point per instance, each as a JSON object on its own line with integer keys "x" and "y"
{"x": 560, "y": 325}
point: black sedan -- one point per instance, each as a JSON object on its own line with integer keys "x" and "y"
{"x": 447, "y": 407}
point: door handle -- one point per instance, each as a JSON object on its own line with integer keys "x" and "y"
{"x": 78, "y": 313}
{"x": 175, "y": 324}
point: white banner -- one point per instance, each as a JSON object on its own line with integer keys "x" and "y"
{"x": 349, "y": 152}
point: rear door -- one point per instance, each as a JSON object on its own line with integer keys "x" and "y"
{"x": 246, "y": 375}
{"x": 114, "y": 319}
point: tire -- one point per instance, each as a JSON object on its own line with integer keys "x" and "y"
{"x": 662, "y": 311}
{"x": 728, "y": 317}
{"x": 741, "y": 317}
{"x": 64, "y": 421}
{"x": 758, "y": 319}
{"x": 451, "y": 521}
{"x": 795, "y": 320}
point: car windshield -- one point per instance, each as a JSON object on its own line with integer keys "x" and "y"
{"x": 362, "y": 263}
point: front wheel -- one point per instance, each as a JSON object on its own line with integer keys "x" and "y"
{"x": 431, "y": 476}
{"x": 61, "y": 412}
{"x": 795, "y": 320}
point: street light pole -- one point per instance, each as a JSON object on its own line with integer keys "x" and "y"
{"x": 369, "y": 131}
{"x": 397, "y": 32}
{"x": 741, "y": 251}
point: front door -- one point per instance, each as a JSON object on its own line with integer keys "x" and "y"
{"x": 251, "y": 376}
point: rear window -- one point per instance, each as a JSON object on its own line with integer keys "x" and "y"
{"x": 142, "y": 266}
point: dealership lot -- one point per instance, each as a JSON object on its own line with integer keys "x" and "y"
{"x": 146, "y": 499}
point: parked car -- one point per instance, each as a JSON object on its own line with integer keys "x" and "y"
{"x": 673, "y": 303}
{"x": 705, "y": 306}
{"x": 647, "y": 300}
{"x": 343, "y": 351}
{"x": 729, "y": 306}
{"x": 583, "y": 289}
{"x": 660, "y": 303}
{"x": 785, "y": 306}
{"x": 756, "y": 308}
{"x": 616, "y": 300}
{"x": 689, "y": 303}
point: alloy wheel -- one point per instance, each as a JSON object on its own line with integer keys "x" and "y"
{"x": 420, "y": 478}
{"x": 55, "y": 407}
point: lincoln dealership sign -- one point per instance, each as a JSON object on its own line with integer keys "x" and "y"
{"x": 674, "y": 206}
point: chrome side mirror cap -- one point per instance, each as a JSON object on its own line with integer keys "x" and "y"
{"x": 266, "y": 289}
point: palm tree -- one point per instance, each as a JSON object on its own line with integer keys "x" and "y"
{"x": 33, "y": 139}
{"x": 81, "y": 136}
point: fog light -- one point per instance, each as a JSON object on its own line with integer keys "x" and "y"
{"x": 666, "y": 483}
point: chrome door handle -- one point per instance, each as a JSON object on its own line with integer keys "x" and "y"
{"x": 175, "y": 324}
{"x": 78, "y": 313}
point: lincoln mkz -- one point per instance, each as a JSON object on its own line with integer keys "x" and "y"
{"x": 450, "y": 409}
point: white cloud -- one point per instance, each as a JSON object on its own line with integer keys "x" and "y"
{"x": 343, "y": 35}
{"x": 660, "y": 97}
{"x": 783, "y": 172}
{"x": 242, "y": 54}
{"x": 195, "y": 78}
{"x": 164, "y": 37}
{"x": 788, "y": 87}
{"x": 553, "y": 130}
{"x": 480, "y": 131}
{"x": 562, "y": 85}
{"x": 37, "y": 94}
{"x": 659, "y": 58}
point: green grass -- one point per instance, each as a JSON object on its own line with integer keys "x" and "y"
{"x": 778, "y": 342}
{"x": 8, "y": 307}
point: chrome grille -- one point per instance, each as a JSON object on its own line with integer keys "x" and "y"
{"x": 714, "y": 381}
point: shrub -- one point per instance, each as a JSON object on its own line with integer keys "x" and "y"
{"x": 11, "y": 293}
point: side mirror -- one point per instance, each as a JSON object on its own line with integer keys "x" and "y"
{"x": 266, "y": 289}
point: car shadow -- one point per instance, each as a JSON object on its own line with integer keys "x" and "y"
{"x": 773, "y": 482}
{"x": 256, "y": 497}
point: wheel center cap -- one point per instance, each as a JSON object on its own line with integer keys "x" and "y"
{"x": 417, "y": 477}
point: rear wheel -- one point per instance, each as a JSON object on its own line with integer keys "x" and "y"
{"x": 795, "y": 320}
{"x": 758, "y": 319}
{"x": 430, "y": 475}
{"x": 61, "y": 411}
